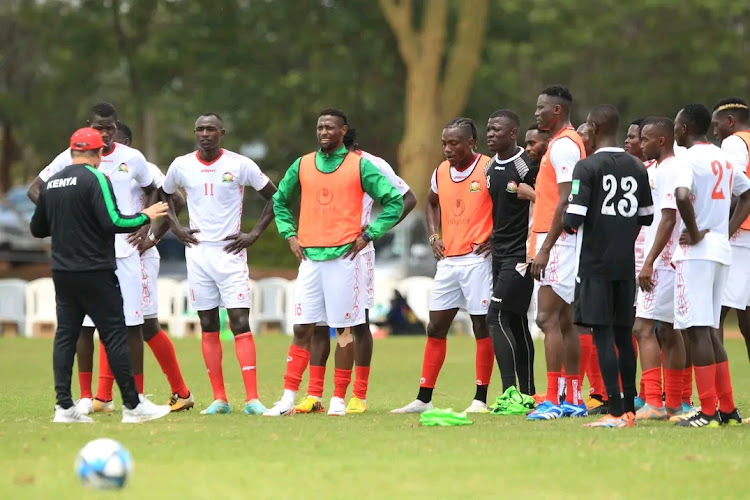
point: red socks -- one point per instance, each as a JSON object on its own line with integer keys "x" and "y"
{"x": 84, "y": 380}
{"x": 705, "y": 380}
{"x": 139, "y": 383}
{"x": 553, "y": 387}
{"x": 687, "y": 384}
{"x": 244, "y": 347}
{"x": 485, "y": 361}
{"x": 296, "y": 364}
{"x": 724, "y": 388}
{"x": 211, "y": 347}
{"x": 595, "y": 376}
{"x": 573, "y": 388}
{"x": 587, "y": 346}
{"x": 163, "y": 349}
{"x": 106, "y": 379}
{"x": 673, "y": 382}
{"x": 341, "y": 381}
{"x": 317, "y": 381}
{"x": 434, "y": 356}
{"x": 651, "y": 383}
{"x": 361, "y": 380}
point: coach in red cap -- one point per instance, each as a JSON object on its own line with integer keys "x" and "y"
{"x": 77, "y": 208}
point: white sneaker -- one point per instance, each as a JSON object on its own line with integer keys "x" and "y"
{"x": 85, "y": 406}
{"x": 337, "y": 407}
{"x": 70, "y": 416}
{"x": 477, "y": 406}
{"x": 144, "y": 412}
{"x": 415, "y": 406}
{"x": 280, "y": 409}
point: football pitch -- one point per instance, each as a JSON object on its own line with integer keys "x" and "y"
{"x": 375, "y": 455}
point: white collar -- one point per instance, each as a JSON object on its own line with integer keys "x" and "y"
{"x": 609, "y": 150}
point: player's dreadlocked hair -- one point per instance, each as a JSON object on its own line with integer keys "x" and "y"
{"x": 698, "y": 118}
{"x": 104, "y": 110}
{"x": 121, "y": 127}
{"x": 466, "y": 125}
{"x": 509, "y": 114}
{"x": 350, "y": 138}
{"x": 735, "y": 106}
{"x": 561, "y": 94}
{"x": 334, "y": 112}
{"x": 663, "y": 124}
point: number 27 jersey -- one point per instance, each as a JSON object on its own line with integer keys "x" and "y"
{"x": 611, "y": 190}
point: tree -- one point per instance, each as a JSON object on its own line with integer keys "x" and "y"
{"x": 438, "y": 78}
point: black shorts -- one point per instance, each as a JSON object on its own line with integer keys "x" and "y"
{"x": 604, "y": 303}
{"x": 512, "y": 285}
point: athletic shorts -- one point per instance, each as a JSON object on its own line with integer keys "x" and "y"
{"x": 367, "y": 276}
{"x": 512, "y": 285}
{"x": 217, "y": 278}
{"x": 150, "y": 300}
{"x": 560, "y": 271}
{"x": 658, "y": 304}
{"x": 330, "y": 292}
{"x": 602, "y": 302}
{"x": 737, "y": 290}
{"x": 698, "y": 289}
{"x": 466, "y": 287}
{"x": 130, "y": 277}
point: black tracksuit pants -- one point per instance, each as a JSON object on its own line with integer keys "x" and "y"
{"x": 96, "y": 293}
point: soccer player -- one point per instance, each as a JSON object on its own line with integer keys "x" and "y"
{"x": 123, "y": 166}
{"x": 610, "y": 200}
{"x": 583, "y": 132}
{"x": 331, "y": 184}
{"x": 536, "y": 144}
{"x": 703, "y": 192}
{"x": 321, "y": 342}
{"x": 512, "y": 283}
{"x": 731, "y": 125}
{"x": 553, "y": 254}
{"x": 656, "y": 279}
{"x": 214, "y": 181}
{"x": 459, "y": 203}
{"x": 633, "y": 139}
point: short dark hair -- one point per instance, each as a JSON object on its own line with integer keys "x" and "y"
{"x": 536, "y": 128}
{"x": 104, "y": 110}
{"x": 466, "y": 125}
{"x": 334, "y": 112}
{"x": 638, "y": 122}
{"x": 509, "y": 114}
{"x": 561, "y": 94}
{"x": 211, "y": 113}
{"x": 662, "y": 123}
{"x": 350, "y": 138}
{"x": 698, "y": 118}
{"x": 121, "y": 127}
{"x": 89, "y": 152}
{"x": 606, "y": 117}
{"x": 736, "y": 106}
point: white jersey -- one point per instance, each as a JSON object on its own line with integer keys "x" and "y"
{"x": 712, "y": 180}
{"x": 662, "y": 178}
{"x": 396, "y": 181}
{"x": 123, "y": 166}
{"x": 214, "y": 191}
{"x": 736, "y": 150}
{"x": 640, "y": 240}
{"x": 140, "y": 196}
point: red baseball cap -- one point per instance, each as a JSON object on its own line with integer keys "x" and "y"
{"x": 86, "y": 139}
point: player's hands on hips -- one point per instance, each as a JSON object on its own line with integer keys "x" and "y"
{"x": 135, "y": 238}
{"x": 145, "y": 244}
{"x": 539, "y": 264}
{"x": 356, "y": 247}
{"x": 525, "y": 192}
{"x": 438, "y": 249}
{"x": 686, "y": 239}
{"x": 158, "y": 209}
{"x": 186, "y": 236}
{"x": 645, "y": 280}
{"x": 296, "y": 248}
{"x": 484, "y": 249}
{"x": 239, "y": 242}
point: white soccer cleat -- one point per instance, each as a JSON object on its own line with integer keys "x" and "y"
{"x": 85, "y": 406}
{"x": 144, "y": 412}
{"x": 477, "y": 406}
{"x": 281, "y": 408}
{"x": 337, "y": 407}
{"x": 70, "y": 416}
{"x": 415, "y": 406}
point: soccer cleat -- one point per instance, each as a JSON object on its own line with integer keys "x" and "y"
{"x": 415, "y": 406}
{"x": 254, "y": 407}
{"x": 85, "y": 406}
{"x": 337, "y": 407}
{"x": 638, "y": 403}
{"x": 700, "y": 419}
{"x": 70, "y": 416}
{"x": 546, "y": 411}
{"x": 538, "y": 398}
{"x": 356, "y": 405}
{"x": 309, "y": 404}
{"x": 573, "y": 411}
{"x": 477, "y": 406}
{"x": 100, "y": 406}
{"x": 687, "y": 407}
{"x": 611, "y": 422}
{"x": 682, "y": 415}
{"x": 176, "y": 403}
{"x": 593, "y": 404}
{"x": 144, "y": 412}
{"x": 651, "y": 412}
{"x": 218, "y": 407}
{"x": 731, "y": 419}
{"x": 280, "y": 409}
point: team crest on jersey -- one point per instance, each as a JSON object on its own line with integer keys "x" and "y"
{"x": 474, "y": 187}
{"x": 123, "y": 167}
{"x": 651, "y": 183}
{"x": 511, "y": 187}
{"x": 227, "y": 177}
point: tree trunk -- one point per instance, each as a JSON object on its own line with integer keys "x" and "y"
{"x": 6, "y": 157}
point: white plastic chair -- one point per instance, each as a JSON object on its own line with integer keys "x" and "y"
{"x": 166, "y": 290}
{"x": 184, "y": 315}
{"x": 40, "y": 305}
{"x": 12, "y": 304}
{"x": 272, "y": 303}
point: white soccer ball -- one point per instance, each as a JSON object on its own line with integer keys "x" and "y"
{"x": 104, "y": 464}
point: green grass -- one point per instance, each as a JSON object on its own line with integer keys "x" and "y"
{"x": 375, "y": 455}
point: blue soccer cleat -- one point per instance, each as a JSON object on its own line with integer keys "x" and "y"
{"x": 218, "y": 407}
{"x": 571, "y": 410}
{"x": 546, "y": 411}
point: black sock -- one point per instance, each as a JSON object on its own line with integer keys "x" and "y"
{"x": 425, "y": 394}
{"x": 481, "y": 394}
{"x": 627, "y": 365}
{"x": 524, "y": 354}
{"x": 504, "y": 344}
{"x": 604, "y": 338}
